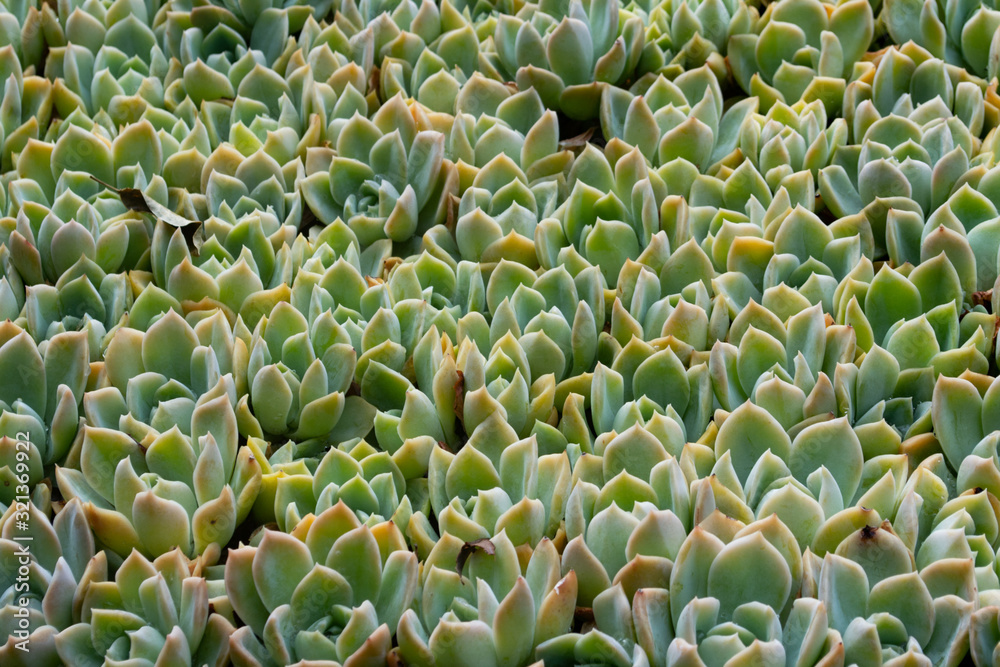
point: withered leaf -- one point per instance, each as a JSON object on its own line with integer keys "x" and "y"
{"x": 136, "y": 200}
{"x": 983, "y": 298}
{"x": 469, "y": 548}
{"x": 375, "y": 81}
{"x": 459, "y": 407}
{"x": 579, "y": 141}
{"x": 583, "y": 619}
{"x": 394, "y": 659}
{"x": 451, "y": 217}
{"x": 309, "y": 218}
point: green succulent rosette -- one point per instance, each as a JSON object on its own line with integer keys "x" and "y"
{"x": 569, "y": 52}
{"x": 333, "y": 591}
{"x": 802, "y": 50}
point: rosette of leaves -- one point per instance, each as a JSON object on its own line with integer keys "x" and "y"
{"x": 92, "y": 77}
{"x": 922, "y": 158}
{"x": 415, "y": 294}
{"x": 226, "y": 31}
{"x": 753, "y": 636}
{"x": 814, "y": 478}
{"x": 368, "y": 481}
{"x": 84, "y": 298}
{"x": 118, "y": 91}
{"x": 482, "y": 610}
{"x": 909, "y": 185}
{"x": 514, "y": 124}
{"x": 151, "y": 612}
{"x": 645, "y": 549}
{"x": 757, "y": 257}
{"x": 740, "y": 361}
{"x": 908, "y": 81}
{"x": 333, "y": 591}
{"x": 84, "y": 603}
{"x": 63, "y": 560}
{"x": 610, "y": 215}
{"x": 40, "y": 407}
{"x": 672, "y": 118}
{"x": 682, "y": 119}
{"x": 390, "y": 340}
{"x": 802, "y": 50}
{"x": 889, "y": 527}
{"x": 159, "y": 464}
{"x": 65, "y": 215}
{"x": 425, "y": 50}
{"x": 494, "y": 482}
{"x": 142, "y": 504}
{"x": 687, "y": 35}
{"x": 830, "y": 619}
{"x": 257, "y": 371}
{"x": 91, "y": 28}
{"x": 454, "y": 402}
{"x": 27, "y": 101}
{"x": 133, "y": 33}
{"x": 604, "y": 555}
{"x": 320, "y": 78}
{"x": 434, "y": 406}
{"x": 674, "y": 245}
{"x": 517, "y": 310}
{"x": 491, "y": 226}
{"x": 385, "y": 184}
{"x": 570, "y": 52}
{"x": 895, "y": 618}
{"x": 788, "y": 140}
{"x": 238, "y": 179}
{"x": 503, "y": 383}
{"x": 964, "y": 223}
{"x": 962, "y": 34}
{"x": 237, "y": 268}
{"x": 626, "y": 394}
{"x": 297, "y": 374}
{"x": 836, "y": 457}
{"x": 934, "y": 302}
{"x": 556, "y": 311}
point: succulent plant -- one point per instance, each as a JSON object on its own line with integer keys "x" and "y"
{"x": 802, "y": 50}
{"x": 160, "y": 465}
{"x": 62, "y": 558}
{"x": 499, "y": 333}
{"x": 66, "y": 227}
{"x": 963, "y": 35}
{"x": 367, "y": 481}
{"x": 570, "y": 52}
{"x": 27, "y": 100}
{"x": 495, "y": 614}
{"x": 332, "y": 590}
{"x": 176, "y": 497}
{"x": 233, "y": 362}
{"x": 682, "y": 34}
{"x": 151, "y": 612}
{"x": 40, "y": 408}
{"x": 84, "y": 298}
{"x": 753, "y": 636}
{"x": 684, "y": 118}
{"x": 74, "y": 605}
{"x": 383, "y": 185}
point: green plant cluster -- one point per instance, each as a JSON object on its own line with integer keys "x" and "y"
{"x": 343, "y": 333}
